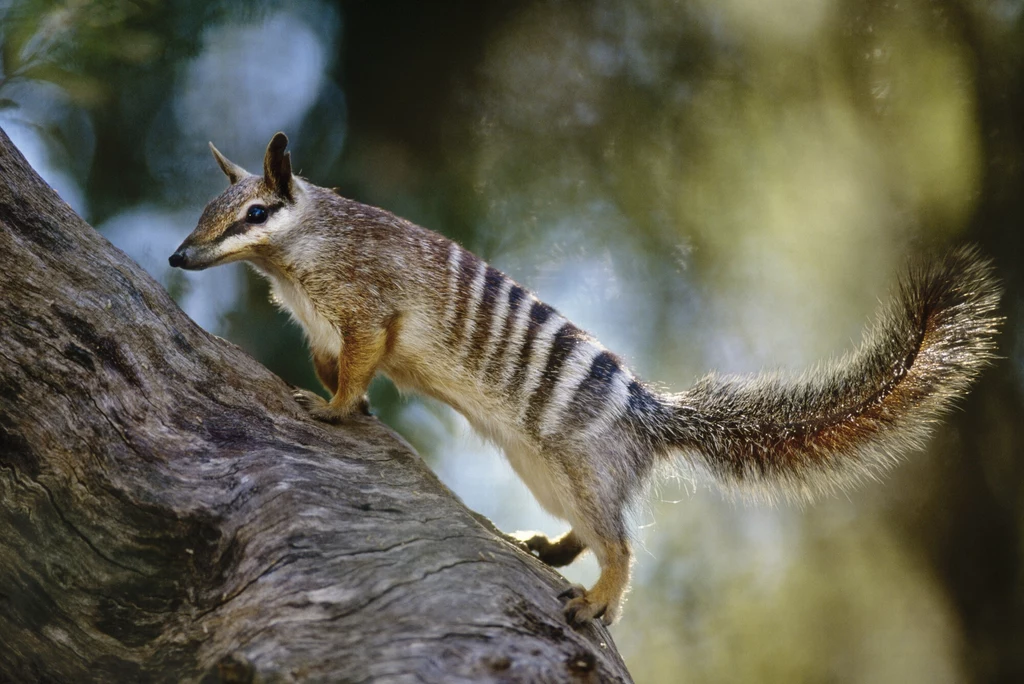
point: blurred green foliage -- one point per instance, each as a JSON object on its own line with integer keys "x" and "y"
{"x": 704, "y": 184}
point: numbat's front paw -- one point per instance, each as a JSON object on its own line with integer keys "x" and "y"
{"x": 320, "y": 409}
{"x": 580, "y": 607}
{"x": 308, "y": 400}
{"x": 327, "y": 414}
{"x": 316, "y": 405}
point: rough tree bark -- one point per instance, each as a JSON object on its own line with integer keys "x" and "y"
{"x": 167, "y": 512}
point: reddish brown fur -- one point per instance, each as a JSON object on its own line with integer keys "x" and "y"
{"x": 377, "y": 293}
{"x": 326, "y": 367}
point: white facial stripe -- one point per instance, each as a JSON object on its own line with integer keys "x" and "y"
{"x": 233, "y": 247}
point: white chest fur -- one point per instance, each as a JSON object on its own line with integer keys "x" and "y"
{"x": 323, "y": 335}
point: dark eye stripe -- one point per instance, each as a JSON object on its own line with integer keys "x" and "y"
{"x": 236, "y": 228}
{"x": 272, "y": 208}
{"x": 241, "y": 225}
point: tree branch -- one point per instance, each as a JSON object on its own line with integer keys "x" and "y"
{"x": 168, "y": 513}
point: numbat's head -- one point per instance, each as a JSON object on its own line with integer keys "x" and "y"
{"x": 251, "y": 214}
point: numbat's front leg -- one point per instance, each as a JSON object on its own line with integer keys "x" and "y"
{"x": 347, "y": 375}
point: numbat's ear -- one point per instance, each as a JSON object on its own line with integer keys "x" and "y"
{"x": 233, "y": 171}
{"x": 277, "y": 167}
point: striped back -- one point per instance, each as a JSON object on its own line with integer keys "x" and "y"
{"x": 558, "y": 378}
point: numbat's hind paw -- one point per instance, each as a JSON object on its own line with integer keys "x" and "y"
{"x": 581, "y": 607}
{"x": 553, "y": 552}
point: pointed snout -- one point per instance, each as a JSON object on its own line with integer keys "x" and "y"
{"x": 184, "y": 257}
{"x": 196, "y": 254}
{"x": 190, "y": 257}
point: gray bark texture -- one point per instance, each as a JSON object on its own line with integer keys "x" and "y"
{"x": 168, "y": 513}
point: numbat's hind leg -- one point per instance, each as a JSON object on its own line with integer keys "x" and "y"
{"x": 604, "y": 599}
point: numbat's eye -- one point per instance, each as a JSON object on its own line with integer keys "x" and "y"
{"x": 257, "y": 214}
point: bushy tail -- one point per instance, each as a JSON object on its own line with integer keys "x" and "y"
{"x": 852, "y": 418}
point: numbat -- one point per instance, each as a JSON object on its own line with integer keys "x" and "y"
{"x": 375, "y": 293}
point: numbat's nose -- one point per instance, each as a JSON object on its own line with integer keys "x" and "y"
{"x": 177, "y": 260}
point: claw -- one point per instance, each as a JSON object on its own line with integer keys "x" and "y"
{"x": 572, "y": 614}
{"x": 579, "y": 610}
{"x": 522, "y": 545}
{"x": 317, "y": 407}
{"x": 363, "y": 406}
{"x": 307, "y": 400}
{"x": 535, "y": 543}
{"x": 574, "y": 591}
{"x": 326, "y": 414}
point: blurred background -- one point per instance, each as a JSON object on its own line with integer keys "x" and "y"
{"x": 703, "y": 184}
